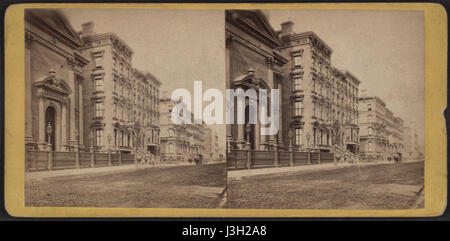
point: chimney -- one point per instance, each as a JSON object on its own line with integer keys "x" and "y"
{"x": 286, "y": 28}
{"x": 87, "y": 29}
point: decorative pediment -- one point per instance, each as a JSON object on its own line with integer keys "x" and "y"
{"x": 52, "y": 83}
{"x": 255, "y": 22}
{"x": 55, "y": 22}
{"x": 250, "y": 81}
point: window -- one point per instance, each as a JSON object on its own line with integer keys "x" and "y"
{"x": 298, "y": 61}
{"x": 370, "y": 146}
{"x": 99, "y": 109}
{"x": 115, "y": 110}
{"x": 298, "y": 83}
{"x": 314, "y": 109}
{"x": 171, "y": 148}
{"x": 298, "y": 108}
{"x": 298, "y": 136}
{"x": 321, "y": 111}
{"x": 99, "y": 84}
{"x": 98, "y": 137}
{"x": 314, "y": 85}
{"x": 319, "y": 137}
{"x": 114, "y": 63}
{"x": 115, "y": 85}
{"x": 98, "y": 60}
{"x": 314, "y": 136}
{"x": 314, "y": 62}
{"x": 115, "y": 137}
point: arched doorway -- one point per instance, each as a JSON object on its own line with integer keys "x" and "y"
{"x": 50, "y": 115}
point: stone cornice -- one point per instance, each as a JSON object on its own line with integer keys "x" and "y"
{"x": 271, "y": 57}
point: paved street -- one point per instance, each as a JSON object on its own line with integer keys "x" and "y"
{"x": 170, "y": 187}
{"x": 382, "y": 186}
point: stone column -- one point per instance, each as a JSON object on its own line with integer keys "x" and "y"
{"x": 270, "y": 80}
{"x": 63, "y": 125}
{"x": 280, "y": 114}
{"x": 41, "y": 120}
{"x": 257, "y": 135}
{"x": 240, "y": 137}
{"x": 71, "y": 82}
{"x": 276, "y": 155}
{"x": 28, "y": 86}
{"x": 80, "y": 115}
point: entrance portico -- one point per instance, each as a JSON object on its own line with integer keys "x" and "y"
{"x": 250, "y": 132}
{"x": 52, "y": 110}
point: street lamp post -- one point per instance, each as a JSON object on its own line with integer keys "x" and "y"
{"x": 91, "y": 137}
{"x": 77, "y": 151}
{"x": 291, "y": 148}
{"x": 135, "y": 149}
{"x": 50, "y": 155}
{"x": 249, "y": 151}
{"x": 109, "y": 150}
{"x": 308, "y": 137}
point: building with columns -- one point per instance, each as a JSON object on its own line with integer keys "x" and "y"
{"x": 411, "y": 148}
{"x": 145, "y": 108}
{"x": 121, "y": 103}
{"x": 381, "y": 132}
{"x": 180, "y": 143}
{"x": 319, "y": 101}
{"x": 211, "y": 144}
{"x": 252, "y": 61}
{"x": 54, "y": 79}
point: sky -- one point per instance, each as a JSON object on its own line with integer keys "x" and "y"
{"x": 384, "y": 49}
{"x": 177, "y": 46}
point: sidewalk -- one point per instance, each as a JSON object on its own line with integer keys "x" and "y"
{"x": 238, "y": 174}
{"x": 39, "y": 175}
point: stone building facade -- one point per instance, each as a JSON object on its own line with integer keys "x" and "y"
{"x": 211, "y": 144}
{"x": 252, "y": 61}
{"x": 121, "y": 103}
{"x": 381, "y": 132}
{"x": 179, "y": 143}
{"x": 54, "y": 79}
{"x": 411, "y": 148}
{"x": 145, "y": 108}
{"x": 318, "y": 103}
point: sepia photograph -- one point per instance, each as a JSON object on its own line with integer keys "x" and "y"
{"x": 203, "y": 110}
{"x": 350, "y": 109}
{"x": 98, "y": 122}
